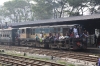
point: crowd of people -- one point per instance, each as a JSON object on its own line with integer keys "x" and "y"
{"x": 74, "y": 33}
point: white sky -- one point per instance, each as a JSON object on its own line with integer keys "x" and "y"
{"x": 2, "y": 1}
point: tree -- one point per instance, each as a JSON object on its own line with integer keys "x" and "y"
{"x": 26, "y": 10}
{"x": 17, "y": 9}
{"x": 78, "y": 6}
{"x": 43, "y": 9}
{"x": 94, "y": 6}
{"x": 1, "y": 14}
{"x": 70, "y": 7}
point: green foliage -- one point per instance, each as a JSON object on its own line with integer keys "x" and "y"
{"x": 97, "y": 2}
{"x": 62, "y": 62}
{"x": 43, "y": 9}
{"x": 75, "y": 3}
{"x": 23, "y": 10}
{"x": 71, "y": 65}
{"x": 74, "y": 13}
{"x": 17, "y": 9}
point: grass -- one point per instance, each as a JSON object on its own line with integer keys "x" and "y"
{"x": 70, "y": 65}
{"x": 62, "y": 62}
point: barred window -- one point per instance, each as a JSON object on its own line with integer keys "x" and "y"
{"x": 32, "y": 31}
{"x": 23, "y": 30}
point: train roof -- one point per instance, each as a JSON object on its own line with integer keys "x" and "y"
{"x": 8, "y": 29}
{"x": 50, "y": 26}
{"x": 49, "y": 21}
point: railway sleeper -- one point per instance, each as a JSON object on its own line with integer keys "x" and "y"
{"x": 3, "y": 64}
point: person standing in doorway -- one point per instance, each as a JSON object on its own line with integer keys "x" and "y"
{"x": 75, "y": 30}
{"x": 97, "y": 35}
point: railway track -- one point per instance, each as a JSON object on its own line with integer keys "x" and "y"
{"x": 77, "y": 56}
{"x": 22, "y": 61}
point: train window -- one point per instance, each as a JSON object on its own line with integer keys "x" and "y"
{"x": 23, "y": 30}
{"x": 66, "y": 30}
{"x": 57, "y": 29}
{"x": 3, "y": 35}
{"x": 37, "y": 30}
{"x": 28, "y": 31}
{"x": 7, "y": 35}
{"x": 46, "y": 30}
{"x": 20, "y": 31}
{"x": 61, "y": 30}
{"x": 51, "y": 30}
{"x": 32, "y": 31}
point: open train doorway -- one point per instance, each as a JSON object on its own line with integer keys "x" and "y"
{"x": 94, "y": 33}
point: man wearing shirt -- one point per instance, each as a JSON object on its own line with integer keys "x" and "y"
{"x": 75, "y": 31}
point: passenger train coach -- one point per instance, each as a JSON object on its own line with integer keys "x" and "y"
{"x": 43, "y": 36}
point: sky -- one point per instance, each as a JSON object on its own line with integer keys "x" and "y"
{"x": 2, "y": 1}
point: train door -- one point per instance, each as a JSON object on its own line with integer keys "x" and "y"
{"x": 28, "y": 32}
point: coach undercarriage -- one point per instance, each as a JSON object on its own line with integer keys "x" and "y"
{"x": 61, "y": 44}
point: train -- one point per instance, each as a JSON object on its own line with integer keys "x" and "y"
{"x": 43, "y": 36}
